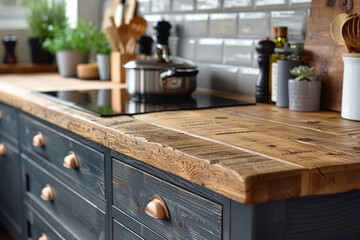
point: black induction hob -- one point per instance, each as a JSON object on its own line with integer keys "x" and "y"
{"x": 113, "y": 102}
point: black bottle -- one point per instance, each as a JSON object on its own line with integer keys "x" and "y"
{"x": 9, "y": 42}
{"x": 163, "y": 33}
{"x": 264, "y": 50}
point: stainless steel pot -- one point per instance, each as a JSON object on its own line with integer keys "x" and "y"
{"x": 149, "y": 78}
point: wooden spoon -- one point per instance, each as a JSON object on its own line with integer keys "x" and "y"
{"x": 124, "y": 35}
{"x": 138, "y": 27}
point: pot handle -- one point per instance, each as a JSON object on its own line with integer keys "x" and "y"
{"x": 178, "y": 73}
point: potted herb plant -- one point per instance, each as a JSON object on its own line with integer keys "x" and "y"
{"x": 103, "y": 51}
{"x": 304, "y": 90}
{"x": 41, "y": 15}
{"x": 71, "y": 45}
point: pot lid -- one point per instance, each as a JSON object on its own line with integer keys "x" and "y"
{"x": 155, "y": 64}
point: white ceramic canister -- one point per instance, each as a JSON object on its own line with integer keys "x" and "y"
{"x": 350, "y": 107}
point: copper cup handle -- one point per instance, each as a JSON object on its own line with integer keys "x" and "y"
{"x": 70, "y": 161}
{"x": 38, "y": 140}
{"x": 2, "y": 149}
{"x": 157, "y": 208}
{"x": 47, "y": 193}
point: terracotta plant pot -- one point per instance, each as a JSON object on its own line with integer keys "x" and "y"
{"x": 68, "y": 60}
{"x": 304, "y": 96}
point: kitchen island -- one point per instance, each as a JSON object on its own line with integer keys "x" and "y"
{"x": 249, "y": 172}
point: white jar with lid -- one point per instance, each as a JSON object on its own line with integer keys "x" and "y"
{"x": 350, "y": 106}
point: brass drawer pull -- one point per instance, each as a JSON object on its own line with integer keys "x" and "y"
{"x": 47, "y": 193}
{"x": 70, "y": 161}
{"x": 157, "y": 208}
{"x": 43, "y": 237}
{"x": 38, "y": 140}
{"x": 2, "y": 149}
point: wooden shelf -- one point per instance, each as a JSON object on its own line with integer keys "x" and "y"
{"x": 27, "y": 68}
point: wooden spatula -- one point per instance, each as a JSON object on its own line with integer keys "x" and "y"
{"x": 138, "y": 27}
{"x": 124, "y": 35}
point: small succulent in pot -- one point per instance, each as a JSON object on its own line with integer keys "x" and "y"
{"x": 304, "y": 90}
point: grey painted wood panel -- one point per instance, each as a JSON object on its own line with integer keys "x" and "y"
{"x": 91, "y": 172}
{"x": 9, "y": 122}
{"x": 11, "y": 190}
{"x": 191, "y": 216}
{"x": 37, "y": 225}
{"x": 134, "y": 225}
{"x": 81, "y": 218}
{"x": 331, "y": 217}
{"x": 121, "y": 232}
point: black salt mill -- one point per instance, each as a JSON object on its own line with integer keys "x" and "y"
{"x": 264, "y": 50}
{"x": 9, "y": 42}
{"x": 163, "y": 33}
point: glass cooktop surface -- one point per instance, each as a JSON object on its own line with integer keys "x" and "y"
{"x": 113, "y": 102}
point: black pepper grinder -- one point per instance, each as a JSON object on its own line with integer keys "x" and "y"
{"x": 264, "y": 50}
{"x": 145, "y": 46}
{"x": 9, "y": 42}
{"x": 163, "y": 33}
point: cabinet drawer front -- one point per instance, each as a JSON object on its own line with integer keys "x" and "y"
{"x": 90, "y": 172}
{"x": 121, "y": 232}
{"x": 76, "y": 214}
{"x": 37, "y": 226}
{"x": 8, "y": 122}
{"x": 191, "y": 216}
{"x": 10, "y": 185}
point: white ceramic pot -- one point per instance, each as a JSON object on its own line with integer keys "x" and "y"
{"x": 304, "y": 96}
{"x": 103, "y": 62}
{"x": 68, "y": 60}
{"x": 350, "y": 106}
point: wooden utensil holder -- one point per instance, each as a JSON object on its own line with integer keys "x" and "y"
{"x": 117, "y": 69}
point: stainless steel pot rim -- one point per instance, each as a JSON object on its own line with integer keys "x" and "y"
{"x": 156, "y": 64}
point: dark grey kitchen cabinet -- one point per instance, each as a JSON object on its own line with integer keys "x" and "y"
{"x": 105, "y": 194}
{"x": 11, "y": 207}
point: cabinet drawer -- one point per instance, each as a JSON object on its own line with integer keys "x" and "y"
{"x": 10, "y": 186}
{"x": 190, "y": 216}
{"x": 89, "y": 173}
{"x": 74, "y": 213}
{"x": 37, "y": 226}
{"x": 8, "y": 122}
{"x": 121, "y": 232}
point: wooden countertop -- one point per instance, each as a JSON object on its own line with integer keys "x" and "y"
{"x": 250, "y": 154}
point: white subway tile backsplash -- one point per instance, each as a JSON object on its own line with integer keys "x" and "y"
{"x": 223, "y": 25}
{"x": 254, "y": 24}
{"x": 269, "y": 3}
{"x": 296, "y": 21}
{"x": 209, "y": 50}
{"x": 223, "y": 78}
{"x": 160, "y": 6}
{"x": 188, "y": 49}
{"x": 196, "y": 25}
{"x": 151, "y": 20}
{"x": 238, "y": 52}
{"x": 247, "y": 81}
{"x": 143, "y": 6}
{"x": 237, "y": 3}
{"x": 183, "y": 5}
{"x": 208, "y": 4}
{"x": 221, "y": 35}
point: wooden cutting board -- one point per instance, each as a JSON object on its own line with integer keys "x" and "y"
{"x": 323, "y": 53}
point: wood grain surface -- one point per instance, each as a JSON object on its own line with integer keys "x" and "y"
{"x": 323, "y": 53}
{"x": 250, "y": 154}
{"x": 27, "y": 68}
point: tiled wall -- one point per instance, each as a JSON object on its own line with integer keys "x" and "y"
{"x": 220, "y": 35}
